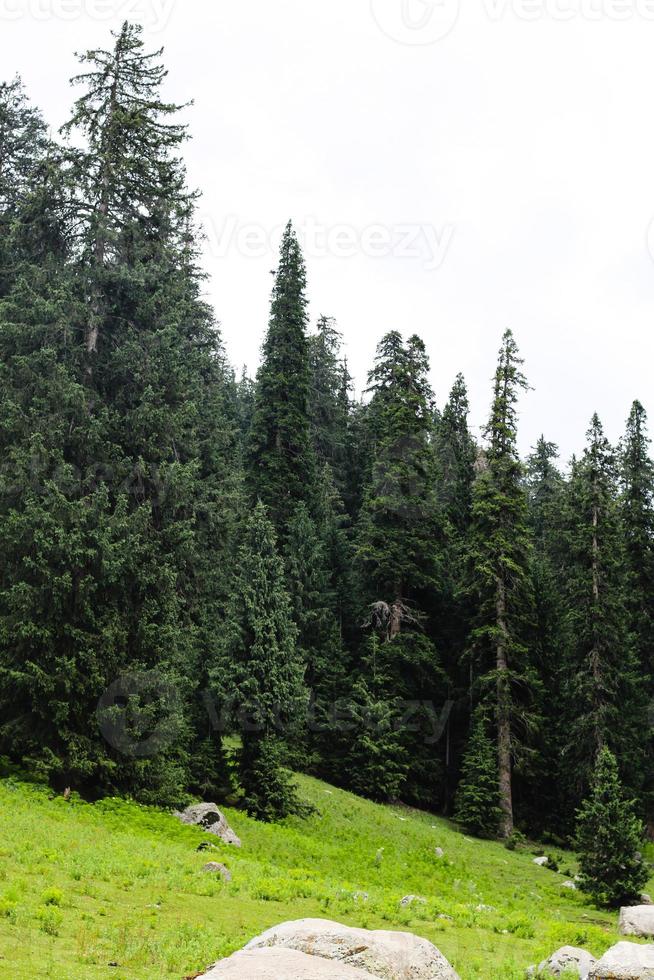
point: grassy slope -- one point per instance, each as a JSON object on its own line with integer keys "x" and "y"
{"x": 82, "y": 887}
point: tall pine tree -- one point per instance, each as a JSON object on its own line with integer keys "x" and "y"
{"x": 258, "y": 675}
{"x": 499, "y": 557}
{"x": 280, "y": 459}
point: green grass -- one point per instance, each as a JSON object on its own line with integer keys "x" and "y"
{"x": 116, "y": 890}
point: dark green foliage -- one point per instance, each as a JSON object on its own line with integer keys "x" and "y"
{"x": 499, "y": 576}
{"x": 540, "y": 791}
{"x": 281, "y": 463}
{"x": 477, "y": 800}
{"x": 456, "y": 455}
{"x": 318, "y": 642}
{"x": 400, "y": 523}
{"x": 392, "y": 574}
{"x": 609, "y": 837}
{"x": 603, "y": 698}
{"x": 258, "y": 675}
{"x": 329, "y": 398}
{"x": 637, "y": 506}
{"x": 375, "y": 757}
{"x": 115, "y": 430}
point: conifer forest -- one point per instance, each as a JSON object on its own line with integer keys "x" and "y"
{"x": 211, "y": 581}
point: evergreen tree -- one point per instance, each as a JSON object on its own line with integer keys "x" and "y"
{"x": 400, "y": 543}
{"x": 540, "y": 790}
{"x": 329, "y": 398}
{"x": 477, "y": 799}
{"x": 456, "y": 453}
{"x": 604, "y": 706}
{"x": 281, "y": 463}
{"x": 258, "y": 676}
{"x": 637, "y": 478}
{"x": 30, "y": 226}
{"x": 318, "y": 641}
{"x": 609, "y": 837}
{"x": 400, "y": 524}
{"x": 499, "y": 553}
{"x": 374, "y": 756}
{"x": 122, "y": 461}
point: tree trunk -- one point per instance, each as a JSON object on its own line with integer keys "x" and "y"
{"x": 503, "y": 716}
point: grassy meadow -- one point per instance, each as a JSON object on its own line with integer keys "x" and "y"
{"x": 116, "y": 890}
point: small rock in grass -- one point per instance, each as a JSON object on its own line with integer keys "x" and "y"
{"x": 412, "y": 900}
{"x": 542, "y": 862}
{"x": 219, "y": 869}
{"x": 439, "y": 852}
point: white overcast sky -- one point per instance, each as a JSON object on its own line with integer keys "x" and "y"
{"x": 454, "y": 172}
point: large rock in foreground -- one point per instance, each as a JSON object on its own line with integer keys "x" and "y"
{"x": 625, "y": 961}
{"x": 568, "y": 958}
{"x": 637, "y": 920}
{"x": 388, "y": 955}
{"x": 209, "y": 818}
{"x": 282, "y": 964}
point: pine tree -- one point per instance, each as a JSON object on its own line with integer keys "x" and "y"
{"x": 30, "y": 227}
{"x": 456, "y": 454}
{"x": 400, "y": 524}
{"x": 603, "y": 701}
{"x": 258, "y": 676}
{"x": 477, "y": 806}
{"x": 281, "y": 464}
{"x": 400, "y": 543}
{"x": 319, "y": 639}
{"x": 540, "y": 789}
{"x": 129, "y": 183}
{"x": 329, "y": 401}
{"x": 374, "y": 756}
{"x": 123, "y": 459}
{"x": 499, "y": 555}
{"x": 637, "y": 500}
{"x": 609, "y": 837}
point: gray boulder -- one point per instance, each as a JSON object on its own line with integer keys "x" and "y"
{"x": 213, "y": 867}
{"x": 568, "y": 958}
{"x": 542, "y": 862}
{"x": 625, "y": 961}
{"x": 209, "y": 818}
{"x": 636, "y": 920}
{"x": 388, "y": 955}
{"x": 282, "y": 964}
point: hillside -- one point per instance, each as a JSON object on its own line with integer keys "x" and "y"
{"x": 116, "y": 890}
